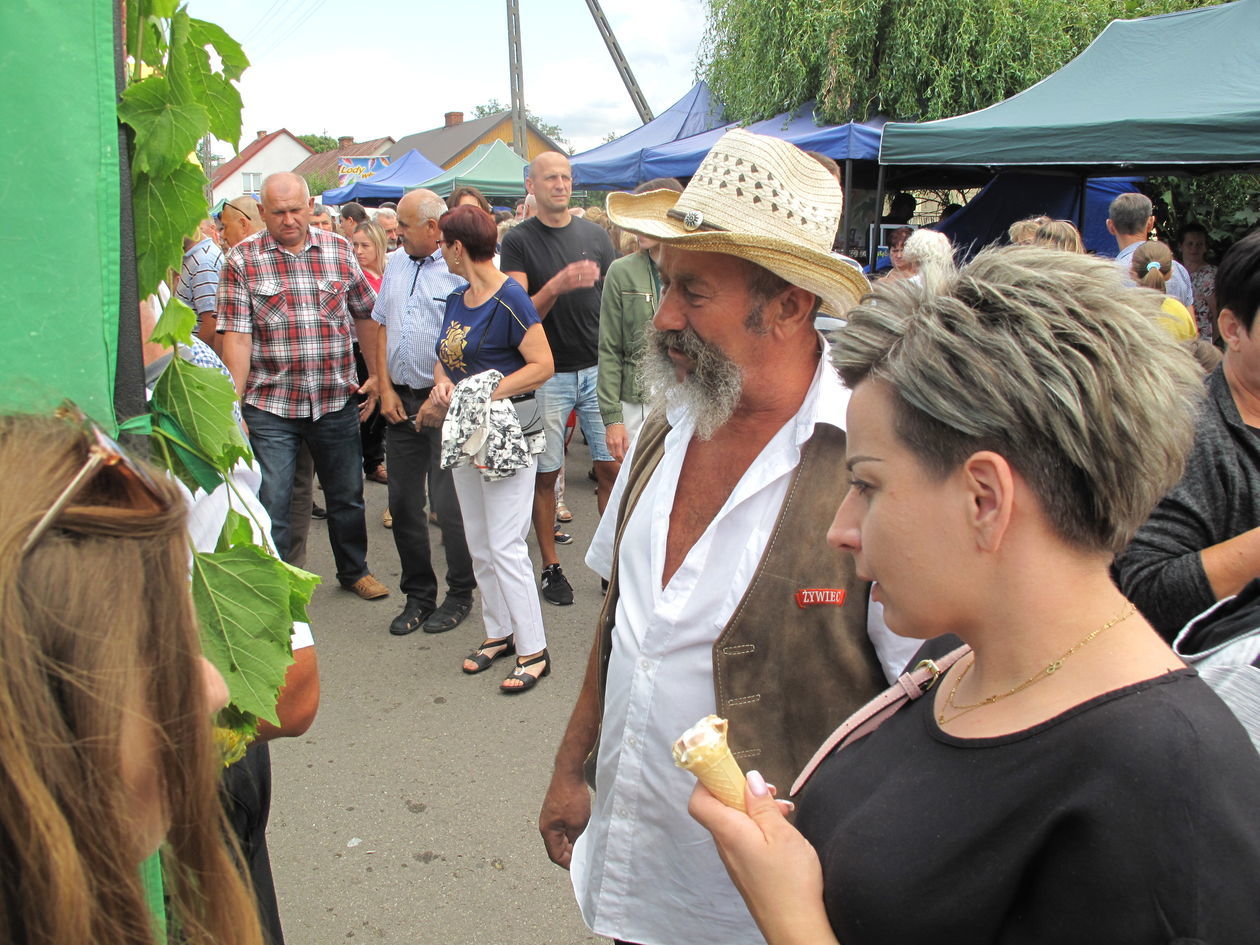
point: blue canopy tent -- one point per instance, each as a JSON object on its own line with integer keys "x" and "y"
{"x": 615, "y": 165}
{"x": 854, "y": 141}
{"x": 390, "y": 184}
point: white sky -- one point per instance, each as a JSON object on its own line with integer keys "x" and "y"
{"x": 336, "y": 69}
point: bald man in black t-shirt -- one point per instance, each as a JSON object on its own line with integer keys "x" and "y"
{"x": 561, "y": 259}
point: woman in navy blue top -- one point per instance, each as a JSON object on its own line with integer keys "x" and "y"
{"x": 491, "y": 324}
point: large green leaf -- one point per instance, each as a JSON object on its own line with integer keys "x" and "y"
{"x": 242, "y": 599}
{"x": 167, "y": 129}
{"x": 230, "y": 52}
{"x": 220, "y": 97}
{"x": 175, "y": 326}
{"x": 200, "y": 402}
{"x": 236, "y": 531}
{"x": 302, "y": 585}
{"x": 167, "y": 208}
{"x": 223, "y": 104}
{"x": 181, "y": 459}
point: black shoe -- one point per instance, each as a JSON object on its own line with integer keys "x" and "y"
{"x": 318, "y": 511}
{"x": 562, "y": 538}
{"x": 556, "y": 588}
{"x": 449, "y": 616}
{"x": 409, "y": 621}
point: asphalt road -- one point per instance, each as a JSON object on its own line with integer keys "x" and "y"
{"x": 408, "y": 813}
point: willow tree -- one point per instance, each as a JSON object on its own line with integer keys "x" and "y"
{"x": 913, "y": 60}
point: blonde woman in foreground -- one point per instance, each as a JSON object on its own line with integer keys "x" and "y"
{"x": 106, "y": 751}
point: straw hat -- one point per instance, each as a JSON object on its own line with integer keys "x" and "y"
{"x": 761, "y": 199}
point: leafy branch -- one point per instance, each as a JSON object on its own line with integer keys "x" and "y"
{"x": 246, "y": 598}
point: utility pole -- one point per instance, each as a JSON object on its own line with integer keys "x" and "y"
{"x": 619, "y": 60}
{"x": 517, "y": 78}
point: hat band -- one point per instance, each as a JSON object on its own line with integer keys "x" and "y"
{"x": 693, "y": 220}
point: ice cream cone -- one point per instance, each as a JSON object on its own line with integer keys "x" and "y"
{"x": 703, "y": 751}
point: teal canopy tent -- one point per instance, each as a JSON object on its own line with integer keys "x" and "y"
{"x": 1177, "y": 92}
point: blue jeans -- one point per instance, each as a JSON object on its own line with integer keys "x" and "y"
{"x": 333, "y": 440}
{"x": 559, "y": 396}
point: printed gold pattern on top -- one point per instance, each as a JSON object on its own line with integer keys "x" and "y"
{"x": 451, "y": 348}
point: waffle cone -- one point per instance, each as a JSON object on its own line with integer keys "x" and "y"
{"x": 714, "y": 765}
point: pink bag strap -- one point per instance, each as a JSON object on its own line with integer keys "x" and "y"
{"x": 908, "y": 687}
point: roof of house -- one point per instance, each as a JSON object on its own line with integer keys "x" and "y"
{"x": 228, "y": 168}
{"x": 440, "y": 145}
{"x": 328, "y": 161}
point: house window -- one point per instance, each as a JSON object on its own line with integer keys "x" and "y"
{"x": 251, "y": 183}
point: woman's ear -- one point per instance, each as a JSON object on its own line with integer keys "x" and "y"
{"x": 990, "y": 484}
{"x": 1231, "y": 328}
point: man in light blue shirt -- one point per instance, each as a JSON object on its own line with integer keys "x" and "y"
{"x": 409, "y": 308}
{"x": 1129, "y": 220}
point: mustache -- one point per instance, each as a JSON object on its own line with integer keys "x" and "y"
{"x": 685, "y": 341}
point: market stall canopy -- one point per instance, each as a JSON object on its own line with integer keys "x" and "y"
{"x": 615, "y": 165}
{"x": 1180, "y": 91}
{"x": 854, "y": 140}
{"x": 390, "y": 184}
{"x": 494, "y": 169}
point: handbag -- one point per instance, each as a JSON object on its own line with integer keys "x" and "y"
{"x": 908, "y": 687}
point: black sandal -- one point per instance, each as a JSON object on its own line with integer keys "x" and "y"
{"x": 505, "y": 646}
{"x": 528, "y": 680}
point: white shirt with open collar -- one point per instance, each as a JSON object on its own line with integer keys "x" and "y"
{"x": 643, "y": 870}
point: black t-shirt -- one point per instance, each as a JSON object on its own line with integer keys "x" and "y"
{"x": 540, "y": 251}
{"x": 1132, "y": 818}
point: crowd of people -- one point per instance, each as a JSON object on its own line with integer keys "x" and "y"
{"x": 1030, "y": 476}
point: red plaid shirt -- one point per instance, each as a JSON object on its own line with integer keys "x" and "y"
{"x": 298, "y": 309}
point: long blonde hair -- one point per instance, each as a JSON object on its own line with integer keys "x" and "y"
{"x": 376, "y": 233}
{"x": 96, "y": 625}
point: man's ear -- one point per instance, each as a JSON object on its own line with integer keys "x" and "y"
{"x": 794, "y": 305}
{"x": 1111, "y": 227}
{"x": 990, "y": 484}
{"x": 1231, "y": 328}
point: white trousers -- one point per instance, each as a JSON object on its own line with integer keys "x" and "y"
{"x": 497, "y": 517}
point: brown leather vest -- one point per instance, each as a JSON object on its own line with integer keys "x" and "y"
{"x": 784, "y": 675}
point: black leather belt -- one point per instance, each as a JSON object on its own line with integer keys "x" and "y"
{"x": 421, "y": 393}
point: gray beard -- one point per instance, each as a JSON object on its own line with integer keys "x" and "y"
{"x": 711, "y": 390}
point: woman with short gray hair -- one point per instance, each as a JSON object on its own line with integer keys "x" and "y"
{"x": 1066, "y": 778}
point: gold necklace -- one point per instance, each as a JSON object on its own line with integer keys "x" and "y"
{"x": 1044, "y": 673}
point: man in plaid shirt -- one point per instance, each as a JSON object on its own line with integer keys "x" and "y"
{"x": 286, "y": 296}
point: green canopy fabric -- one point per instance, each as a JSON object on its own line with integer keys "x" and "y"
{"x": 61, "y": 260}
{"x": 1177, "y": 91}
{"x": 494, "y": 169}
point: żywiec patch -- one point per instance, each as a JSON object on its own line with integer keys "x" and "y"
{"x": 813, "y": 596}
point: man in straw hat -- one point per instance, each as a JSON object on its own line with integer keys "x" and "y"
{"x": 722, "y": 597}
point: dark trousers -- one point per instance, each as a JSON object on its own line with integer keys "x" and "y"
{"x": 246, "y": 794}
{"x": 300, "y": 507}
{"x": 371, "y": 430}
{"x": 333, "y": 440}
{"x": 413, "y": 460}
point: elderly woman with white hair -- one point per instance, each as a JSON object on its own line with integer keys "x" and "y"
{"x": 929, "y": 256}
{"x": 1067, "y": 778}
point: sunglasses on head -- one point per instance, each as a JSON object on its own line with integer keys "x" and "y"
{"x": 104, "y": 456}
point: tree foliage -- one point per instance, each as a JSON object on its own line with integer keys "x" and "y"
{"x": 246, "y": 597}
{"x": 318, "y": 143}
{"x": 494, "y": 106}
{"x": 913, "y": 60}
{"x": 175, "y": 97}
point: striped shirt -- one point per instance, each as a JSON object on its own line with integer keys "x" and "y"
{"x": 411, "y": 306}
{"x": 199, "y": 277}
{"x": 298, "y": 307}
